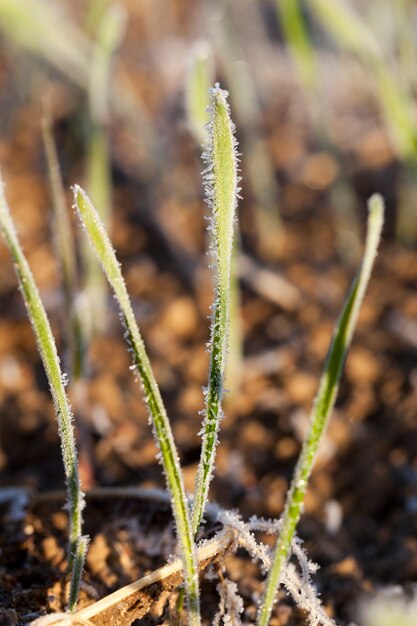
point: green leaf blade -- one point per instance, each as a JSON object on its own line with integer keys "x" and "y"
{"x": 48, "y": 352}
{"x": 221, "y": 178}
{"x": 162, "y": 430}
{"x": 323, "y": 406}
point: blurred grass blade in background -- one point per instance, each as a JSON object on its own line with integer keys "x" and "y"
{"x": 45, "y": 30}
{"x": 101, "y": 244}
{"x": 200, "y": 77}
{"x": 221, "y": 180}
{"x": 394, "y": 94}
{"x": 390, "y": 609}
{"x": 75, "y": 314}
{"x": 65, "y": 251}
{"x": 292, "y": 20}
{"x": 353, "y": 35}
{"x": 48, "y": 352}
{"x": 349, "y": 29}
{"x": 323, "y": 406}
{"x": 108, "y": 36}
{"x": 229, "y": 45}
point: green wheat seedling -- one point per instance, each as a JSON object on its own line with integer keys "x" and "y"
{"x": 197, "y": 92}
{"x": 50, "y": 359}
{"x": 108, "y": 36}
{"x": 292, "y": 21}
{"x": 353, "y": 34}
{"x": 323, "y": 405}
{"x": 65, "y": 251}
{"x": 230, "y": 50}
{"x": 221, "y": 180}
{"x": 100, "y": 241}
{"x": 395, "y": 93}
{"x": 199, "y": 80}
{"x": 222, "y": 189}
{"x": 41, "y": 29}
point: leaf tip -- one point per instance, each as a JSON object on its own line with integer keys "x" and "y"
{"x": 376, "y": 210}
{"x": 376, "y": 204}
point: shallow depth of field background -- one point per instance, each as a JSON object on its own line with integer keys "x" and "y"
{"x": 321, "y": 126}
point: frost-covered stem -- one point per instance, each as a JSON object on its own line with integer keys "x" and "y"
{"x": 79, "y": 560}
{"x": 162, "y": 429}
{"x": 47, "y": 350}
{"x": 322, "y": 407}
{"x": 221, "y": 178}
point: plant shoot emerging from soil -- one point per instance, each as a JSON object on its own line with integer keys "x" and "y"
{"x": 221, "y": 180}
{"x": 323, "y": 405}
{"x": 222, "y": 191}
{"x": 100, "y": 241}
{"x": 48, "y": 352}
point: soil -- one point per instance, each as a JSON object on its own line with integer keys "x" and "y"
{"x": 360, "y": 520}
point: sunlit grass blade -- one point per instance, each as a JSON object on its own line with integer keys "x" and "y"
{"x": 323, "y": 405}
{"x": 162, "y": 429}
{"x": 199, "y": 80}
{"x": 64, "y": 240}
{"x": 65, "y": 250}
{"x": 42, "y": 29}
{"x": 108, "y": 36}
{"x": 109, "y": 31}
{"x": 352, "y": 34}
{"x": 47, "y": 350}
{"x": 221, "y": 177}
{"x": 45, "y": 30}
{"x": 229, "y": 44}
{"x": 297, "y": 38}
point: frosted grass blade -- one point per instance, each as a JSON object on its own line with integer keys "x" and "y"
{"x": 79, "y": 561}
{"x": 322, "y": 407}
{"x": 162, "y": 430}
{"x": 47, "y": 350}
{"x": 221, "y": 178}
{"x": 200, "y": 74}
